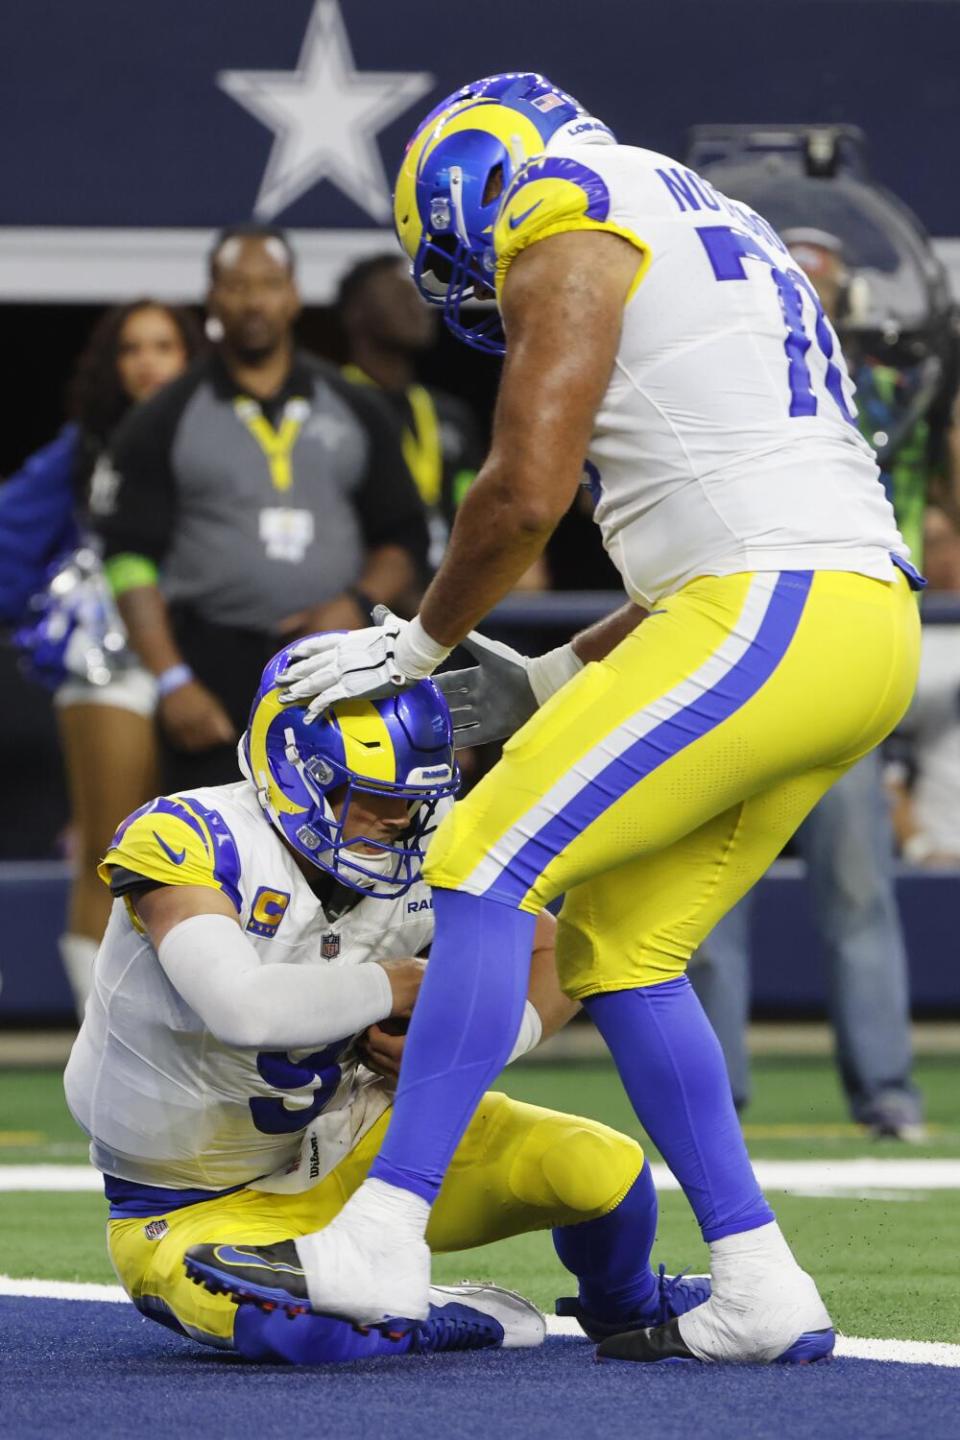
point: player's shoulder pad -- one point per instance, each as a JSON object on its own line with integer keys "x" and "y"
{"x": 550, "y": 195}
{"x": 177, "y": 840}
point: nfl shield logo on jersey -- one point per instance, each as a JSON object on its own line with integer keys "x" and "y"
{"x": 330, "y": 946}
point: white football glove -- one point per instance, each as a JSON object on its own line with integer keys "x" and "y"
{"x": 360, "y": 664}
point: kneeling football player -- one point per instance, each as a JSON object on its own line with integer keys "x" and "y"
{"x": 234, "y": 1069}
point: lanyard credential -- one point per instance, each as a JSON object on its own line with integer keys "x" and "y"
{"x": 421, "y": 445}
{"x": 277, "y": 445}
{"x": 420, "y": 442}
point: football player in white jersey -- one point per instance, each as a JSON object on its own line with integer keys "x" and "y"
{"x": 660, "y": 339}
{"x": 263, "y": 937}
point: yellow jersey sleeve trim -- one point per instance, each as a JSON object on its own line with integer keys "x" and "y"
{"x": 164, "y": 848}
{"x": 565, "y": 226}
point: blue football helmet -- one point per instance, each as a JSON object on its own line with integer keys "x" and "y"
{"x": 401, "y": 746}
{"x": 447, "y": 197}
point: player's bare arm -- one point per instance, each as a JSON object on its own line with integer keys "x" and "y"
{"x": 553, "y": 1007}
{"x": 383, "y": 1049}
{"x": 570, "y": 284}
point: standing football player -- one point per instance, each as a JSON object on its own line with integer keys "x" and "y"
{"x": 234, "y": 1067}
{"x": 660, "y": 337}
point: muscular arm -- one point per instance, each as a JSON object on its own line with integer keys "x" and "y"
{"x": 211, "y": 963}
{"x": 383, "y": 1049}
{"x": 597, "y": 642}
{"x": 562, "y": 308}
{"x": 544, "y": 994}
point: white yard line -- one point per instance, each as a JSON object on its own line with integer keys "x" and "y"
{"x": 867, "y": 1178}
{"x": 60, "y": 1290}
{"x": 905, "y": 1352}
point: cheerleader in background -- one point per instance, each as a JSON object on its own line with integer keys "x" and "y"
{"x": 51, "y": 586}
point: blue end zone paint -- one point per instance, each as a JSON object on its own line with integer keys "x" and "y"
{"x": 79, "y": 1368}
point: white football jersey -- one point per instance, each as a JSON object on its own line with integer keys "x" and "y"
{"x": 726, "y": 440}
{"x": 164, "y": 1102}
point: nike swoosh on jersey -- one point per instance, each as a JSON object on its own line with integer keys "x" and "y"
{"x": 514, "y": 221}
{"x": 177, "y": 859}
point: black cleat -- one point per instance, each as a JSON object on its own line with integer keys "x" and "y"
{"x": 658, "y": 1344}
{"x": 268, "y": 1276}
{"x": 664, "y": 1344}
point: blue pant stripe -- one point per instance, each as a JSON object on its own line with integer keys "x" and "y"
{"x": 739, "y": 684}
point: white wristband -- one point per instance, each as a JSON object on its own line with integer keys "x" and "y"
{"x": 173, "y": 678}
{"x": 548, "y": 673}
{"x": 531, "y": 1029}
{"x": 417, "y": 654}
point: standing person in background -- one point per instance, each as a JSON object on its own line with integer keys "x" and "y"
{"x": 847, "y": 841}
{"x": 387, "y": 328}
{"x": 923, "y": 773}
{"x": 261, "y": 496}
{"x": 916, "y": 440}
{"x": 106, "y": 731}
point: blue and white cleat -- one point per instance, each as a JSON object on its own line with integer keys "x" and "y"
{"x": 461, "y": 1317}
{"x": 512, "y": 1322}
{"x": 676, "y": 1294}
{"x": 271, "y": 1280}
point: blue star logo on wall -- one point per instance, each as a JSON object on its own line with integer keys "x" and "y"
{"x": 325, "y": 116}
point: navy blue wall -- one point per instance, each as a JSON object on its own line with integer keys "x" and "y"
{"x": 788, "y": 970}
{"x": 119, "y": 121}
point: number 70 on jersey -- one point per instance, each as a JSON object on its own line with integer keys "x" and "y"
{"x": 729, "y": 252}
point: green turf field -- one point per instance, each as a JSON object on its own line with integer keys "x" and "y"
{"x": 885, "y": 1264}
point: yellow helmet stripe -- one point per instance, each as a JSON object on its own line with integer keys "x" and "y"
{"x": 268, "y": 709}
{"x": 472, "y": 113}
{"x": 510, "y": 127}
{"x": 367, "y": 748}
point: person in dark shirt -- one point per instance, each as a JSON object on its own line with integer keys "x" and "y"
{"x": 387, "y": 327}
{"x": 259, "y": 496}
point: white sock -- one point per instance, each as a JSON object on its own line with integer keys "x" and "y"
{"x": 761, "y": 1303}
{"x": 397, "y": 1215}
{"x": 753, "y": 1254}
{"x": 77, "y": 954}
{"x": 371, "y": 1261}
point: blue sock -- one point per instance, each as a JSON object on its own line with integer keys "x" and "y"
{"x": 463, "y": 1028}
{"x": 672, "y": 1068}
{"x": 611, "y": 1256}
